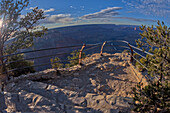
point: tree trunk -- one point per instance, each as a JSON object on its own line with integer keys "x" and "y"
{"x": 3, "y": 75}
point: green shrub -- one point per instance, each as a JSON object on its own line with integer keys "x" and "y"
{"x": 19, "y": 65}
{"x": 74, "y": 55}
{"x": 153, "y": 98}
{"x": 125, "y": 51}
{"x": 55, "y": 63}
{"x": 139, "y": 66}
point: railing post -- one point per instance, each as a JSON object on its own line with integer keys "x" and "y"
{"x": 131, "y": 55}
{"x": 101, "y": 52}
{"x": 80, "y": 55}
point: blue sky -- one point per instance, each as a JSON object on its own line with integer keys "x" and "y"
{"x": 76, "y": 12}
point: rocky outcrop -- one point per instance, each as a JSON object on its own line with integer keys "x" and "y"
{"x": 29, "y": 96}
{"x": 102, "y": 85}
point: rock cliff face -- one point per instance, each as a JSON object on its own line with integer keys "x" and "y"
{"x": 102, "y": 85}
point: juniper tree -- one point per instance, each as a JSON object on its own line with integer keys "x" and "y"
{"x": 154, "y": 97}
{"x": 16, "y": 30}
{"x": 157, "y": 40}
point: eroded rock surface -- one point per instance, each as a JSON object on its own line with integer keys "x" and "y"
{"x": 102, "y": 85}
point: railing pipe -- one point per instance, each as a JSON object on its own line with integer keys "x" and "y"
{"x": 132, "y": 48}
{"x": 55, "y": 48}
{"x": 80, "y": 55}
{"x": 141, "y": 50}
{"x": 131, "y": 55}
{"x": 101, "y": 52}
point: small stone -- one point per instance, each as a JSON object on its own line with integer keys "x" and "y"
{"x": 103, "y": 59}
{"x": 75, "y": 79}
{"x": 99, "y": 65}
{"x": 76, "y": 88}
{"x": 62, "y": 106}
{"x": 93, "y": 82}
{"x": 123, "y": 101}
{"x": 102, "y": 104}
{"x": 125, "y": 79}
{"x": 92, "y": 74}
{"x": 104, "y": 88}
{"x": 89, "y": 95}
{"x": 112, "y": 74}
{"x": 125, "y": 64}
{"x": 111, "y": 99}
{"x": 76, "y": 74}
{"x": 95, "y": 89}
{"x": 64, "y": 83}
{"x": 120, "y": 63}
{"x": 94, "y": 68}
{"x": 91, "y": 102}
{"x": 114, "y": 59}
{"x": 79, "y": 100}
{"x": 87, "y": 72}
{"x": 72, "y": 85}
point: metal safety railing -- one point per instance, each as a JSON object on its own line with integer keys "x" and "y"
{"x": 84, "y": 48}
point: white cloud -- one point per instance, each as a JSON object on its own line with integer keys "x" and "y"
{"x": 31, "y": 8}
{"x": 105, "y": 13}
{"x": 49, "y": 10}
{"x": 82, "y": 7}
{"x": 59, "y": 18}
{"x": 72, "y": 7}
{"x": 109, "y": 14}
{"x": 45, "y": 11}
{"x": 151, "y": 7}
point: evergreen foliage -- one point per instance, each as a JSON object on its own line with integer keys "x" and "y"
{"x": 155, "y": 97}
{"x": 55, "y": 63}
{"x": 74, "y": 58}
{"x": 19, "y": 64}
{"x": 139, "y": 66}
{"x": 158, "y": 42}
{"x": 17, "y": 31}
